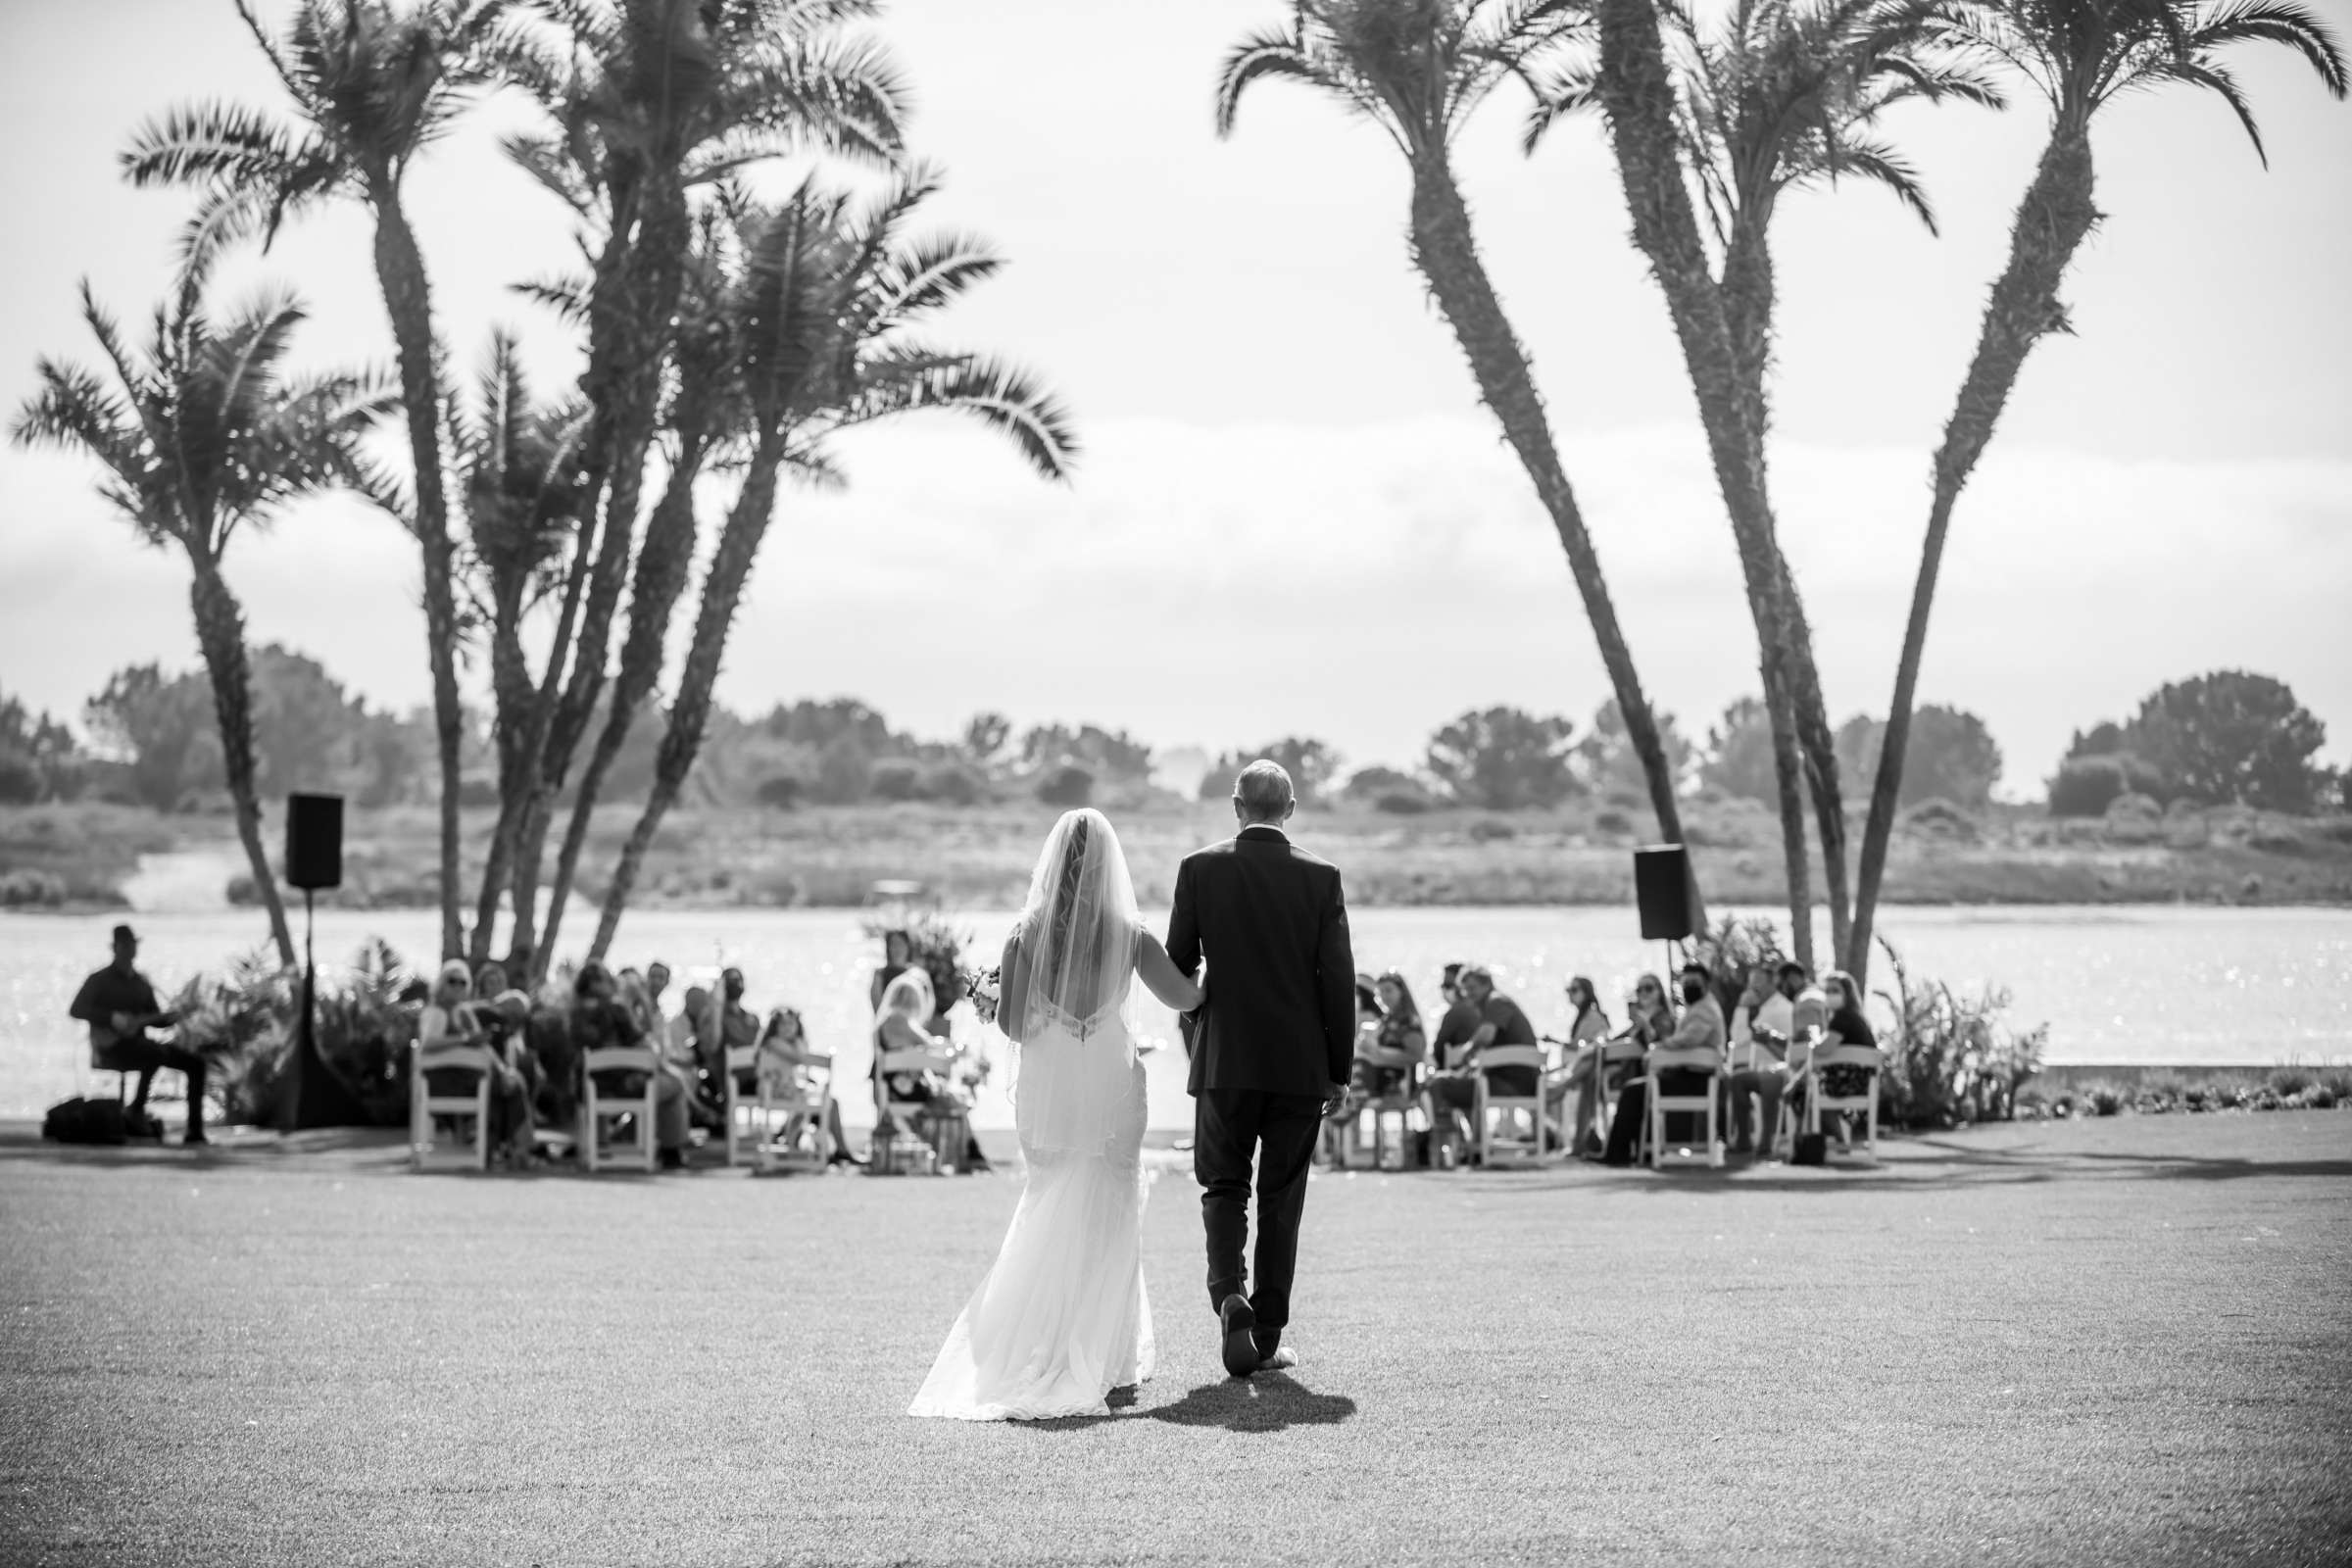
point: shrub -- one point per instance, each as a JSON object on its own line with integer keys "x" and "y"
{"x": 1941, "y": 819}
{"x": 242, "y": 893}
{"x": 1613, "y": 820}
{"x": 955, "y": 783}
{"x": 2279, "y": 841}
{"x": 1487, "y": 829}
{"x": 2103, "y": 1100}
{"x": 1402, "y": 803}
{"x": 895, "y": 778}
{"x": 1068, "y": 785}
{"x": 781, "y": 792}
{"x": 2292, "y": 1080}
{"x": 30, "y": 888}
{"x": 1951, "y": 1058}
{"x": 2086, "y": 786}
{"x": 247, "y": 1020}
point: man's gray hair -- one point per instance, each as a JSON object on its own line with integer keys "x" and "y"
{"x": 1264, "y": 791}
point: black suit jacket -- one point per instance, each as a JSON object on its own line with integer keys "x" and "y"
{"x": 1271, "y": 921}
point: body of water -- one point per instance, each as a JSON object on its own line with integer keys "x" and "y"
{"x": 2192, "y": 986}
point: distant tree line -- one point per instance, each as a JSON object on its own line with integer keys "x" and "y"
{"x": 2224, "y": 738}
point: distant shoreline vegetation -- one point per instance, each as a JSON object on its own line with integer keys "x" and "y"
{"x": 68, "y": 857}
{"x": 813, "y": 803}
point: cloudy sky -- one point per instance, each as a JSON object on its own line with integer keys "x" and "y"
{"x": 1291, "y": 514}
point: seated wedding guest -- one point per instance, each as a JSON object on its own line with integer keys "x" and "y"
{"x": 1450, "y": 1096}
{"x": 452, "y": 1018}
{"x": 490, "y": 978}
{"x": 1588, "y": 1033}
{"x": 784, "y": 1052}
{"x": 1399, "y": 1042}
{"x": 657, "y": 986}
{"x": 1368, "y": 1015}
{"x": 1456, "y": 1025}
{"x": 600, "y": 1021}
{"x": 1701, "y": 1028}
{"x": 1846, "y": 1026}
{"x": 920, "y": 1083}
{"x": 721, "y": 1024}
{"x": 898, "y": 954}
{"x": 634, "y": 994}
{"x": 120, "y": 1006}
{"x": 1760, "y": 1032}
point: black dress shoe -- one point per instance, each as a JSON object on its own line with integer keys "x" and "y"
{"x": 1268, "y": 1341}
{"x": 1240, "y": 1336}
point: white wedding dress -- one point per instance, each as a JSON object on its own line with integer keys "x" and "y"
{"x": 1061, "y": 1318}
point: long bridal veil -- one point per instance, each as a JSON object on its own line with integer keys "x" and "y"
{"x": 1062, "y": 1318}
{"x": 1078, "y": 1021}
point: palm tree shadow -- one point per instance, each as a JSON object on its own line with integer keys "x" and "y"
{"x": 1267, "y": 1402}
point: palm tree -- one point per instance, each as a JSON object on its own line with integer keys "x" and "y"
{"x": 647, "y": 100}
{"x": 2081, "y": 55}
{"x": 825, "y": 305}
{"x": 705, "y": 404}
{"x": 373, "y": 85}
{"x": 1417, "y": 68}
{"x": 518, "y": 461}
{"x": 202, "y": 433}
{"x": 1781, "y": 95}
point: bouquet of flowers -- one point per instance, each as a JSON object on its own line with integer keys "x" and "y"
{"x": 982, "y": 988}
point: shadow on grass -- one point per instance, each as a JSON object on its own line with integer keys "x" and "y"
{"x": 1268, "y": 1403}
{"x": 1921, "y": 1163}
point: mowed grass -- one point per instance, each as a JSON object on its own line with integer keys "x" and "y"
{"x": 2123, "y": 1341}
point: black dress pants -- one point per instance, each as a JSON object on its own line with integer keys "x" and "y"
{"x": 1231, "y": 1129}
{"x": 146, "y": 1056}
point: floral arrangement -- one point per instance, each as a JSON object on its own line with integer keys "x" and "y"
{"x": 936, "y": 945}
{"x": 982, "y": 989}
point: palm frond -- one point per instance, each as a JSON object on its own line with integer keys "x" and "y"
{"x": 1262, "y": 55}
{"x": 1000, "y": 396}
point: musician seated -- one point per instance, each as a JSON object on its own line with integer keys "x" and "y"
{"x": 120, "y": 1006}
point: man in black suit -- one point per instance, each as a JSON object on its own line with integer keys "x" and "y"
{"x": 1270, "y": 1048}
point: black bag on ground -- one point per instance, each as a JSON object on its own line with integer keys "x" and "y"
{"x": 1811, "y": 1148}
{"x": 85, "y": 1121}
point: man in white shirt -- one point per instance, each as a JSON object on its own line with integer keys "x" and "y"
{"x": 1761, "y": 1029}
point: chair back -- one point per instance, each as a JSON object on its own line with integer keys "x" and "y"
{"x": 620, "y": 1058}
{"x": 1493, "y": 1057}
{"x": 1694, "y": 1058}
{"x": 452, "y": 1059}
{"x": 1851, "y": 1057}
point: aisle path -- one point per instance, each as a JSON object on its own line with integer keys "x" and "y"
{"x": 2118, "y": 1342}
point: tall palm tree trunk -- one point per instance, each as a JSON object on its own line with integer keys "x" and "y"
{"x": 407, "y": 301}
{"x": 1724, "y": 364}
{"x": 220, "y": 633}
{"x": 663, "y": 567}
{"x": 723, "y": 582}
{"x": 2056, "y": 215}
{"x": 1445, "y": 251}
{"x": 642, "y": 325}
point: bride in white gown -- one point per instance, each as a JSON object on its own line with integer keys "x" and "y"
{"x": 1061, "y": 1318}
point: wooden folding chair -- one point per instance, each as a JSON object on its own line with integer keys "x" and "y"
{"x": 917, "y": 1115}
{"x": 424, "y": 1105}
{"x": 1491, "y": 1108}
{"x": 790, "y": 1130}
{"x": 1619, "y": 1063}
{"x": 1706, "y": 1104}
{"x": 1865, "y": 1105}
{"x": 1389, "y": 1111}
{"x": 596, "y": 1108}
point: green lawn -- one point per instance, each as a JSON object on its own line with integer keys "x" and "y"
{"x": 2117, "y": 1341}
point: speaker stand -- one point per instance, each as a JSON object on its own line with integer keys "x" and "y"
{"x": 311, "y": 1096}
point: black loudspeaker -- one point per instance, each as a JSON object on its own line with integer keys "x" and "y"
{"x": 314, "y": 840}
{"x": 1662, "y": 887}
